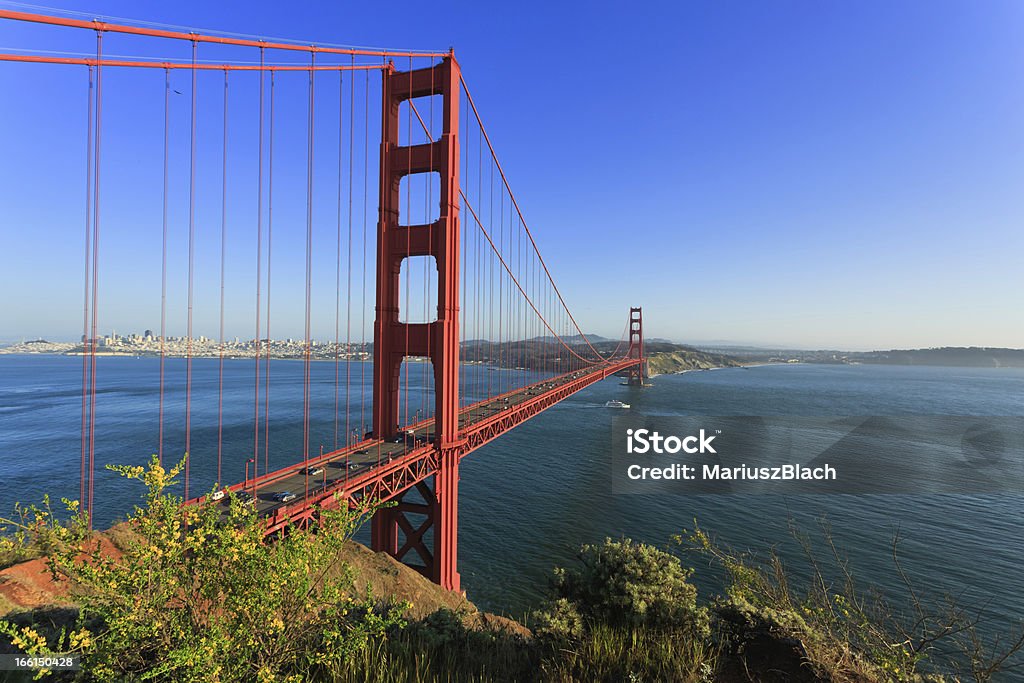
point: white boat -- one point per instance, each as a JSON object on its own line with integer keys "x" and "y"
{"x": 616, "y": 404}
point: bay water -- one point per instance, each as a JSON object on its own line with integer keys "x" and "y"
{"x": 529, "y": 499}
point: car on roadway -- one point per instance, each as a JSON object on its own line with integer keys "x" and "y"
{"x": 284, "y": 496}
{"x": 314, "y": 471}
{"x": 246, "y": 498}
{"x": 353, "y": 466}
{"x": 217, "y": 495}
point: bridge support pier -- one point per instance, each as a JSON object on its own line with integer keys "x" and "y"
{"x": 401, "y": 531}
{"x": 394, "y": 340}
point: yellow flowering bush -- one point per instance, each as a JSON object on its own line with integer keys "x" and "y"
{"x": 200, "y": 594}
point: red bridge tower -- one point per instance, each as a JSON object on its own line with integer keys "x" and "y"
{"x": 636, "y": 347}
{"x": 439, "y": 340}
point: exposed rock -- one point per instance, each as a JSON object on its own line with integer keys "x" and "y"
{"x": 388, "y": 578}
{"x": 668, "y": 362}
{"x": 29, "y": 585}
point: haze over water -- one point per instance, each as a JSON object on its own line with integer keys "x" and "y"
{"x": 531, "y": 497}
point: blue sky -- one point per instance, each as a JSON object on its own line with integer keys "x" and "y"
{"x": 841, "y": 175}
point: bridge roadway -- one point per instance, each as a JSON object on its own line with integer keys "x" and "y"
{"x": 375, "y": 469}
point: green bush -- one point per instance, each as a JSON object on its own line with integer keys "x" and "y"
{"x": 623, "y": 584}
{"x": 840, "y": 630}
{"x": 559, "y": 620}
{"x": 198, "y": 595}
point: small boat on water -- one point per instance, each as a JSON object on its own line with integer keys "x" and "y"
{"x": 616, "y": 404}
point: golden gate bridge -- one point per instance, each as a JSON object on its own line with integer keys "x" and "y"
{"x": 484, "y": 297}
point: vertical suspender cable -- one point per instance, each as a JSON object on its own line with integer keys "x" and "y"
{"x": 539, "y": 321}
{"x": 270, "y": 263}
{"x": 426, "y": 269}
{"x": 191, "y": 271}
{"x": 366, "y": 173}
{"x": 478, "y": 312}
{"x": 366, "y": 184}
{"x": 501, "y": 286}
{"x": 97, "y": 141}
{"x": 223, "y": 253}
{"x": 337, "y": 271}
{"x": 309, "y": 268}
{"x": 163, "y": 264}
{"x": 556, "y": 324}
{"x": 524, "y": 265}
{"x": 386, "y": 69}
{"x": 463, "y": 243}
{"x": 479, "y": 277}
{"x": 548, "y": 315}
{"x": 527, "y": 317}
{"x": 542, "y": 293}
{"x": 348, "y": 287}
{"x": 85, "y": 290}
{"x": 490, "y": 282}
{"x": 259, "y": 274}
{"x": 534, "y": 327}
{"x": 406, "y": 264}
{"x": 513, "y": 304}
{"x": 520, "y": 306}
{"x": 510, "y": 327}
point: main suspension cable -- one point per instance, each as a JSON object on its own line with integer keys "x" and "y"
{"x": 476, "y": 113}
{"x": 497, "y": 251}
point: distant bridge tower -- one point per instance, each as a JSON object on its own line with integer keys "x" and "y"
{"x": 636, "y": 347}
{"x": 394, "y": 340}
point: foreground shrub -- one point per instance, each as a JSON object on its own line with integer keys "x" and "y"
{"x": 198, "y": 595}
{"x": 625, "y": 612}
{"x": 30, "y": 538}
{"x": 829, "y": 628}
{"x": 624, "y": 584}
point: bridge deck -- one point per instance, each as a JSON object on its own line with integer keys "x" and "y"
{"x": 375, "y": 469}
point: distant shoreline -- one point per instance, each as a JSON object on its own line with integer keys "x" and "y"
{"x": 662, "y": 358}
{"x": 315, "y": 359}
